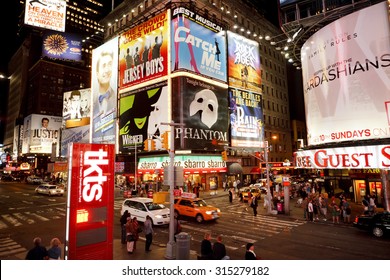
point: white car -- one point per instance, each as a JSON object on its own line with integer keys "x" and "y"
{"x": 49, "y": 190}
{"x": 140, "y": 207}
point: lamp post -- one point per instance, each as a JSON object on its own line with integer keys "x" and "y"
{"x": 268, "y": 181}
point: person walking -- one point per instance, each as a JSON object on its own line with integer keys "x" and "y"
{"x": 38, "y": 252}
{"x": 206, "y": 248}
{"x": 250, "y": 252}
{"x": 130, "y": 235}
{"x": 346, "y": 211}
{"x": 148, "y": 228}
{"x": 54, "y": 252}
{"x": 230, "y": 195}
{"x": 310, "y": 210}
{"x": 219, "y": 250}
{"x": 305, "y": 202}
{"x": 137, "y": 231}
{"x": 123, "y": 221}
{"x": 335, "y": 212}
{"x": 254, "y": 205}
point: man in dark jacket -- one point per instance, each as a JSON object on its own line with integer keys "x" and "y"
{"x": 219, "y": 250}
{"x": 206, "y": 248}
{"x": 39, "y": 252}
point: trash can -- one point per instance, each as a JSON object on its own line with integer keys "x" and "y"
{"x": 279, "y": 207}
{"x": 183, "y": 241}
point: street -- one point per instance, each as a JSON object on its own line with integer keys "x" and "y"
{"x": 25, "y": 215}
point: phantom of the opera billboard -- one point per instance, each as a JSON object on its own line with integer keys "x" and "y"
{"x": 244, "y": 63}
{"x": 144, "y": 52}
{"x": 141, "y": 113}
{"x": 48, "y": 14}
{"x": 246, "y": 118}
{"x": 77, "y": 108}
{"x": 346, "y": 77}
{"x": 202, "y": 108}
{"x": 197, "y": 45}
{"x": 40, "y": 133}
{"x": 104, "y": 92}
{"x": 60, "y": 45}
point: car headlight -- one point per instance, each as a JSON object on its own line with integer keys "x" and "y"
{"x": 158, "y": 216}
{"x": 209, "y": 212}
{"x": 219, "y": 211}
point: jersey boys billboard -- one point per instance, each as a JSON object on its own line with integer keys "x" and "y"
{"x": 90, "y": 205}
{"x": 198, "y": 45}
{"x": 144, "y": 52}
{"x": 346, "y": 78}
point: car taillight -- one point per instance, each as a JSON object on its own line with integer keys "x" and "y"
{"x": 356, "y": 219}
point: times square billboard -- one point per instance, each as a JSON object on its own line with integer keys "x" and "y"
{"x": 60, "y": 45}
{"x": 346, "y": 78}
{"x": 48, "y": 14}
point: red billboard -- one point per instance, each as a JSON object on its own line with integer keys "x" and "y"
{"x": 90, "y": 205}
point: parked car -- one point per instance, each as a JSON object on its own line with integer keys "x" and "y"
{"x": 8, "y": 178}
{"x": 255, "y": 191}
{"x": 49, "y": 190}
{"x": 377, "y": 224}
{"x": 35, "y": 180}
{"x": 140, "y": 207}
{"x": 191, "y": 206}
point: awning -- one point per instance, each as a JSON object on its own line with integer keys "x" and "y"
{"x": 255, "y": 170}
{"x": 235, "y": 168}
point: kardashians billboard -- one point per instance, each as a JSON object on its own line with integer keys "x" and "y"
{"x": 346, "y": 78}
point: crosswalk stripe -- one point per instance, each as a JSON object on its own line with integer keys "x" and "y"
{"x": 9, "y": 247}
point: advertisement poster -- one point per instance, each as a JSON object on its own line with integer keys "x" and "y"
{"x": 246, "y": 118}
{"x": 40, "y": 133}
{"x": 78, "y": 134}
{"x": 141, "y": 113}
{"x": 77, "y": 107}
{"x": 90, "y": 203}
{"x": 346, "y": 78}
{"x": 244, "y": 63}
{"x": 198, "y": 45}
{"x": 203, "y": 109}
{"x": 49, "y": 14}
{"x": 104, "y": 92}
{"x": 58, "y": 45}
{"x": 144, "y": 52}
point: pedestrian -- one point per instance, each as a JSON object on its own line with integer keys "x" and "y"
{"x": 206, "y": 248}
{"x": 54, "y": 252}
{"x": 371, "y": 204}
{"x": 249, "y": 201}
{"x": 130, "y": 235}
{"x": 230, "y": 195}
{"x": 123, "y": 221}
{"x": 335, "y": 213}
{"x": 219, "y": 250}
{"x": 324, "y": 206}
{"x": 365, "y": 204}
{"x": 39, "y": 252}
{"x": 250, "y": 252}
{"x": 346, "y": 211}
{"x": 148, "y": 228}
{"x": 137, "y": 230}
{"x": 254, "y": 205}
{"x": 305, "y": 202}
{"x": 310, "y": 210}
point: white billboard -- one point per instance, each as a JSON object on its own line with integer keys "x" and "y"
{"x": 77, "y": 108}
{"x": 40, "y": 133}
{"x": 49, "y": 14}
{"x": 346, "y": 78}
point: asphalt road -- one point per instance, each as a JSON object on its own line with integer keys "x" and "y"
{"x": 24, "y": 215}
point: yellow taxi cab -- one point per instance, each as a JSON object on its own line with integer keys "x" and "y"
{"x": 190, "y": 206}
{"x": 254, "y": 190}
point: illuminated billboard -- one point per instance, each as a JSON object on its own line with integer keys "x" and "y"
{"x": 246, "y": 118}
{"x": 77, "y": 107}
{"x": 144, "y": 52}
{"x": 244, "y": 63}
{"x": 346, "y": 78}
{"x": 202, "y": 107}
{"x": 90, "y": 204}
{"x": 104, "y": 92}
{"x": 49, "y": 14}
{"x": 40, "y": 133}
{"x": 140, "y": 115}
{"x": 78, "y": 134}
{"x": 58, "y": 45}
{"x": 198, "y": 45}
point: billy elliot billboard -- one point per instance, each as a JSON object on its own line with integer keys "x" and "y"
{"x": 90, "y": 204}
{"x": 104, "y": 92}
{"x": 198, "y": 45}
{"x": 244, "y": 63}
{"x": 141, "y": 113}
{"x": 246, "y": 118}
{"x": 202, "y": 108}
{"x": 346, "y": 77}
{"x": 144, "y": 52}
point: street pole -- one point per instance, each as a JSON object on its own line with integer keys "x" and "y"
{"x": 135, "y": 166}
{"x": 268, "y": 182}
{"x": 170, "y": 252}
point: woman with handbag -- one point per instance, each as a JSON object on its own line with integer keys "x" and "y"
{"x": 130, "y": 235}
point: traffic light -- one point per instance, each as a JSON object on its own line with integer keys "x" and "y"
{"x": 165, "y": 140}
{"x": 224, "y": 156}
{"x": 146, "y": 145}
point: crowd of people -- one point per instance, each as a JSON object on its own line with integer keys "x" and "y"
{"x": 40, "y": 252}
